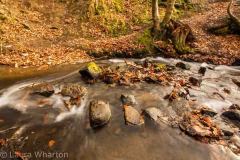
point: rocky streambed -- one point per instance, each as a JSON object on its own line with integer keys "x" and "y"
{"x": 125, "y": 109}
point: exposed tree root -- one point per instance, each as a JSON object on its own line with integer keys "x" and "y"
{"x": 178, "y": 34}
{"x": 231, "y": 26}
{"x": 235, "y": 20}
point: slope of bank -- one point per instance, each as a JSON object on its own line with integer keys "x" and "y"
{"x": 34, "y": 33}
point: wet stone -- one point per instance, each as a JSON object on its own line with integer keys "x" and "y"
{"x": 233, "y": 115}
{"x": 202, "y": 70}
{"x": 234, "y": 106}
{"x": 132, "y": 116}
{"x": 194, "y": 81}
{"x": 236, "y": 62}
{"x": 73, "y": 90}
{"x": 208, "y": 112}
{"x": 227, "y": 130}
{"x": 91, "y": 71}
{"x": 183, "y": 66}
{"x": 227, "y": 91}
{"x": 199, "y": 126}
{"x": 99, "y": 113}
{"x": 44, "y": 89}
{"x": 170, "y": 67}
{"x": 153, "y": 113}
{"x": 128, "y": 99}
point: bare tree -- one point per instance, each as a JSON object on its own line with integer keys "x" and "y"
{"x": 155, "y": 16}
{"x": 178, "y": 32}
{"x": 169, "y": 11}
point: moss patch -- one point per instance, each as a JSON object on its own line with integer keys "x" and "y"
{"x": 146, "y": 40}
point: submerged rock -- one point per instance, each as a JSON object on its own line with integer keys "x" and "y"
{"x": 99, "y": 113}
{"x": 128, "y": 99}
{"x": 183, "y": 66}
{"x": 44, "y": 89}
{"x": 91, "y": 71}
{"x": 132, "y": 116}
{"x": 73, "y": 90}
{"x": 153, "y": 113}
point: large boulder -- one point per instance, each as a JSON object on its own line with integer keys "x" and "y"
{"x": 99, "y": 113}
{"x": 132, "y": 116}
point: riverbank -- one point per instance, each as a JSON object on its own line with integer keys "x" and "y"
{"x": 41, "y": 41}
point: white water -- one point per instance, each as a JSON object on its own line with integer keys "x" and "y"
{"x": 75, "y": 111}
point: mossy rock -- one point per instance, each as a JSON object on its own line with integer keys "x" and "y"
{"x": 160, "y": 66}
{"x": 91, "y": 71}
{"x": 94, "y": 69}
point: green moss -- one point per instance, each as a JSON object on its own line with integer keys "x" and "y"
{"x": 160, "y": 66}
{"x": 114, "y": 17}
{"x": 146, "y": 40}
{"x": 3, "y": 17}
{"x": 93, "y": 68}
{"x": 115, "y": 26}
{"x": 118, "y": 4}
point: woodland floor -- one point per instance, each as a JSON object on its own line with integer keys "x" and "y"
{"x": 41, "y": 45}
{"x": 216, "y": 49}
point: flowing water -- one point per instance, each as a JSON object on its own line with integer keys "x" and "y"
{"x": 42, "y": 128}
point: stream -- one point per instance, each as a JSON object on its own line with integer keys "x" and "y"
{"x": 37, "y": 127}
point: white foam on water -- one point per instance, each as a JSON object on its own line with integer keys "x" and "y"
{"x": 75, "y": 110}
{"x": 165, "y": 60}
{"x": 216, "y": 105}
{"x": 227, "y": 70}
{"x": 8, "y": 96}
{"x": 20, "y": 131}
{"x": 204, "y": 64}
{"x": 116, "y": 60}
{"x": 58, "y": 101}
{"x": 222, "y": 152}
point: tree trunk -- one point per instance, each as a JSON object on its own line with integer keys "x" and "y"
{"x": 169, "y": 11}
{"x": 155, "y": 16}
{"x": 234, "y": 18}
